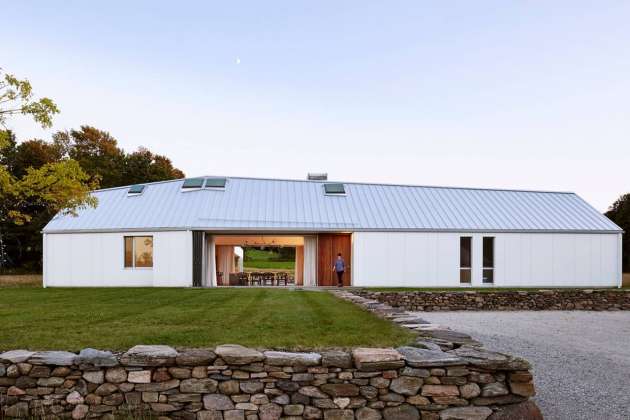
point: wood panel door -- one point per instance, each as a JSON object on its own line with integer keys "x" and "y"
{"x": 328, "y": 246}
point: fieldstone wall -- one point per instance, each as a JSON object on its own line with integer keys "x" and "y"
{"x": 534, "y": 300}
{"x": 460, "y": 381}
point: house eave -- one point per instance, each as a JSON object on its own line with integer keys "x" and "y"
{"x": 227, "y": 230}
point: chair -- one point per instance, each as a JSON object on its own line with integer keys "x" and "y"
{"x": 234, "y": 279}
{"x": 255, "y": 278}
{"x": 282, "y": 278}
{"x": 243, "y": 279}
{"x": 268, "y": 279}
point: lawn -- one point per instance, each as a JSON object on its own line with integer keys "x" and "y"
{"x": 269, "y": 265}
{"x": 117, "y": 318}
{"x": 269, "y": 259}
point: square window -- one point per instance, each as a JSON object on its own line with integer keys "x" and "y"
{"x": 215, "y": 182}
{"x": 465, "y": 275}
{"x": 138, "y": 251}
{"x": 136, "y": 189}
{"x": 193, "y": 183}
{"x": 334, "y": 189}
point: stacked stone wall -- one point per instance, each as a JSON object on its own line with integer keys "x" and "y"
{"x": 499, "y": 300}
{"x": 234, "y": 383}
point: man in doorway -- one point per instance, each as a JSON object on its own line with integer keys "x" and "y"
{"x": 339, "y": 267}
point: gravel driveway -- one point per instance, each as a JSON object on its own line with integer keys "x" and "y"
{"x": 581, "y": 360}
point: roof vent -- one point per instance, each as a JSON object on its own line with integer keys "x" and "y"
{"x": 317, "y": 176}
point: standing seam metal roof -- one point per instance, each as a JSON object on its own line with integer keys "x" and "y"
{"x": 250, "y": 204}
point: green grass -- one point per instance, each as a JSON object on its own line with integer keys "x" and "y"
{"x": 273, "y": 265}
{"x": 268, "y": 259}
{"x": 118, "y": 318}
{"x": 261, "y": 254}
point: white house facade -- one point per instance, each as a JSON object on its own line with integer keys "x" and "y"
{"x": 188, "y": 233}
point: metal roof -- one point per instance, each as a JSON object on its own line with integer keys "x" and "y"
{"x": 249, "y": 204}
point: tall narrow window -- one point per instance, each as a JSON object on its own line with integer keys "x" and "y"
{"x": 465, "y": 259}
{"x": 138, "y": 251}
{"x": 488, "y": 260}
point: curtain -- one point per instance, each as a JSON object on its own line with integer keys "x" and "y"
{"x": 225, "y": 261}
{"x": 310, "y": 261}
{"x": 211, "y": 269}
{"x": 239, "y": 254}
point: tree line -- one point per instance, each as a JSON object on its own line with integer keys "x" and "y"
{"x": 619, "y": 213}
{"x": 39, "y": 178}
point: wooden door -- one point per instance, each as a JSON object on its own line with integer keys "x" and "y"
{"x": 328, "y": 246}
{"x": 299, "y": 265}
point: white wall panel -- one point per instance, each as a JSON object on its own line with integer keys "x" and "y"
{"x": 97, "y": 259}
{"x": 541, "y": 261}
{"x": 172, "y": 260}
{"x": 383, "y": 258}
{"x": 419, "y": 259}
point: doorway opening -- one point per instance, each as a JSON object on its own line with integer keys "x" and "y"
{"x": 262, "y": 260}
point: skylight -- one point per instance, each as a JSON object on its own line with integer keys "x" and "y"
{"x": 136, "y": 189}
{"x": 334, "y": 189}
{"x": 192, "y": 183}
{"x": 215, "y": 182}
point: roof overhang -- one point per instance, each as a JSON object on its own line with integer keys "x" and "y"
{"x": 323, "y": 230}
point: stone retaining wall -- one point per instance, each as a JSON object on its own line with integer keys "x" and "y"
{"x": 536, "y": 300}
{"x": 233, "y": 383}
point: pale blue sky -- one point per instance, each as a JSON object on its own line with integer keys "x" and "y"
{"x": 530, "y": 94}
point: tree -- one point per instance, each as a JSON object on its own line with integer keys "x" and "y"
{"x": 143, "y": 166}
{"x": 96, "y": 151}
{"x": 100, "y": 158}
{"x": 98, "y": 154}
{"x": 16, "y": 97}
{"x": 39, "y": 179}
{"x": 31, "y": 154}
{"x": 58, "y": 186}
{"x": 619, "y": 213}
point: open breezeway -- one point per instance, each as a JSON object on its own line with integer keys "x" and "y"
{"x": 581, "y": 360}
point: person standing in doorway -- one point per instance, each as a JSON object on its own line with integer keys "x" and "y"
{"x": 339, "y": 267}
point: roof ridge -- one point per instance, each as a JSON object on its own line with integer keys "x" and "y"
{"x": 141, "y": 183}
{"x": 447, "y": 187}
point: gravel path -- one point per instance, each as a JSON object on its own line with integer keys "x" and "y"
{"x": 581, "y": 360}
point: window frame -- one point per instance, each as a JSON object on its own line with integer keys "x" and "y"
{"x": 193, "y": 187}
{"x": 468, "y": 268}
{"x": 333, "y": 193}
{"x": 215, "y": 187}
{"x": 133, "y": 252}
{"x": 488, "y": 268}
{"x": 132, "y": 193}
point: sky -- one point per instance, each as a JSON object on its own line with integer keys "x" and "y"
{"x": 498, "y": 94}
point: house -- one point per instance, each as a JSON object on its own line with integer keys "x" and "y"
{"x": 184, "y": 233}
